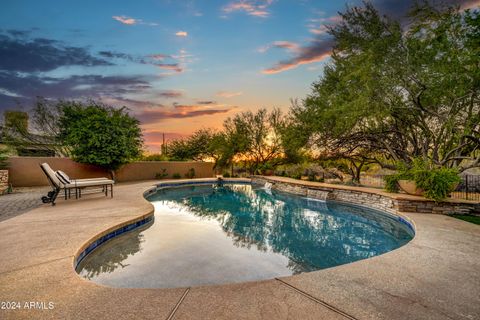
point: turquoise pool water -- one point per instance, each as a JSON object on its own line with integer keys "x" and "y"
{"x": 210, "y": 234}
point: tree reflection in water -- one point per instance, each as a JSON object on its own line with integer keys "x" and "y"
{"x": 311, "y": 234}
{"x": 105, "y": 260}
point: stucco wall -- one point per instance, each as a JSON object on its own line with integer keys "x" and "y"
{"x": 26, "y": 172}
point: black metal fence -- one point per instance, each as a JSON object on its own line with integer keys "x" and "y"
{"x": 468, "y": 188}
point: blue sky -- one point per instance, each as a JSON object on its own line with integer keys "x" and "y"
{"x": 178, "y": 65}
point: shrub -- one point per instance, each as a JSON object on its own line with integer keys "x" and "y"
{"x": 3, "y": 158}
{"x": 154, "y": 157}
{"x": 176, "y": 176}
{"x": 190, "y": 173}
{"x": 161, "y": 175}
{"x": 294, "y": 171}
{"x": 391, "y": 183}
{"x": 436, "y": 182}
{"x": 226, "y": 175}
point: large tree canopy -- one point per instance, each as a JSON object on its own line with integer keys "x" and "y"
{"x": 99, "y": 134}
{"x": 399, "y": 91}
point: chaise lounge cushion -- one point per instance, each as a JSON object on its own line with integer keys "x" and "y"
{"x": 90, "y": 183}
{"x": 63, "y": 177}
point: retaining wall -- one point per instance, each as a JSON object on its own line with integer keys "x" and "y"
{"x": 374, "y": 198}
{"x": 26, "y": 172}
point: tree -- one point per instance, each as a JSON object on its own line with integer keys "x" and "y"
{"x": 256, "y": 137}
{"x": 40, "y": 132}
{"x": 100, "y": 135}
{"x": 202, "y": 145}
{"x": 398, "y": 93}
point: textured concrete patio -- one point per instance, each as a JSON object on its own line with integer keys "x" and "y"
{"x": 435, "y": 276}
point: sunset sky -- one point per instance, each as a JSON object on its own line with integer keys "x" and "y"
{"x": 177, "y": 65}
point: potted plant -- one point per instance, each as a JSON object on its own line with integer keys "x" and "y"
{"x": 422, "y": 178}
{"x": 410, "y": 187}
{"x": 3, "y": 170}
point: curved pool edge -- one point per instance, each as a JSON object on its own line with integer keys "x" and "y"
{"x": 417, "y": 280}
{"x": 133, "y": 224}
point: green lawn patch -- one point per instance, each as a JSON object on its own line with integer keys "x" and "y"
{"x": 466, "y": 217}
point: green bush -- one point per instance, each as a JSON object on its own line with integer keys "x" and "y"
{"x": 436, "y": 182}
{"x": 391, "y": 183}
{"x": 226, "y": 174}
{"x": 190, "y": 173}
{"x": 3, "y": 158}
{"x": 176, "y": 176}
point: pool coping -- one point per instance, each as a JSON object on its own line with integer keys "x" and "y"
{"x": 363, "y": 289}
{"x": 120, "y": 229}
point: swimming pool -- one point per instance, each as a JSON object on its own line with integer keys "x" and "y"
{"x": 216, "y": 234}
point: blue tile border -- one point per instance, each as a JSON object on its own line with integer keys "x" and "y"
{"x": 213, "y": 181}
{"x": 115, "y": 233}
{"x": 407, "y": 223}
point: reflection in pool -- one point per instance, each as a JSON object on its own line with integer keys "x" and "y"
{"x": 209, "y": 234}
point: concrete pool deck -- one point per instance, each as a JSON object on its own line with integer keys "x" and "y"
{"x": 435, "y": 276}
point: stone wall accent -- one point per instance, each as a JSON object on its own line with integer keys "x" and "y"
{"x": 3, "y": 181}
{"x": 374, "y": 200}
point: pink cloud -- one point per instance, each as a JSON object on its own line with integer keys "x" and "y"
{"x": 250, "y": 7}
{"x": 125, "y": 20}
{"x": 159, "y": 56}
{"x": 148, "y": 116}
{"x": 171, "y": 94}
{"x": 319, "y": 26}
{"x": 470, "y": 4}
{"x": 314, "y": 52}
{"x": 291, "y": 46}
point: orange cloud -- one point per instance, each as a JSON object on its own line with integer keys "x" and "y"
{"x": 292, "y": 46}
{"x": 170, "y": 66}
{"x": 181, "y": 33}
{"x": 229, "y": 94}
{"x": 125, "y": 20}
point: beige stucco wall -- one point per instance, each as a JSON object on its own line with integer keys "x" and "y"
{"x": 146, "y": 170}
{"x": 26, "y": 172}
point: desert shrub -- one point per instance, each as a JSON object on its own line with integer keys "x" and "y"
{"x": 294, "y": 171}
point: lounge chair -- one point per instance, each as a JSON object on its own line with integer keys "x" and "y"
{"x": 59, "y": 180}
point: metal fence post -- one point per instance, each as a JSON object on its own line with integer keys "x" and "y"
{"x": 466, "y": 186}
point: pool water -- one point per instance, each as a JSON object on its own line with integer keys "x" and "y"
{"x": 211, "y": 234}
